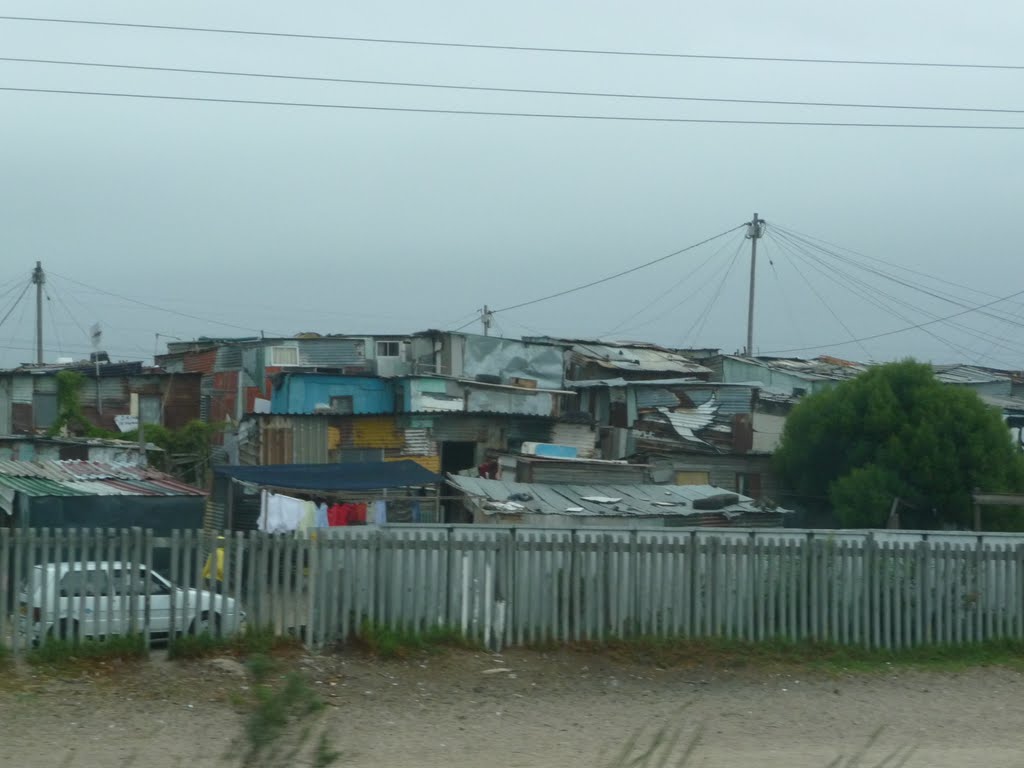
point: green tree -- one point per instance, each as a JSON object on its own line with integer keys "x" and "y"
{"x": 897, "y": 432}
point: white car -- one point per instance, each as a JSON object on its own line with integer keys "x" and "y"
{"x": 97, "y": 599}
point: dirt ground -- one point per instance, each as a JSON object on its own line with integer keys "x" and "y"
{"x": 522, "y": 708}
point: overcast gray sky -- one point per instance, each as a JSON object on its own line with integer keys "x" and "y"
{"x": 347, "y": 221}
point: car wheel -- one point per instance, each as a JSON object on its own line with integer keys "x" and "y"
{"x": 65, "y": 629}
{"x": 206, "y": 625}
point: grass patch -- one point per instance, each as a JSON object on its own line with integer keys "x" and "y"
{"x": 244, "y": 644}
{"x": 62, "y": 652}
{"x": 281, "y": 724}
{"x": 389, "y": 643}
{"x": 828, "y": 657}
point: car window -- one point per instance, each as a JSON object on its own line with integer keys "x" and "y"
{"x": 129, "y": 582}
{"x": 90, "y": 583}
{"x": 136, "y": 582}
{"x": 157, "y": 587}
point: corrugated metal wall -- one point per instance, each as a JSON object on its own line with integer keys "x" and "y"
{"x": 461, "y": 430}
{"x": 294, "y": 441}
{"x": 654, "y": 397}
{"x": 21, "y": 389}
{"x": 5, "y": 406}
{"x": 229, "y": 358}
{"x": 507, "y": 358}
{"x": 580, "y": 436}
{"x": 571, "y": 473}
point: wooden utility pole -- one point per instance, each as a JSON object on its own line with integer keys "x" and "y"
{"x": 755, "y": 229}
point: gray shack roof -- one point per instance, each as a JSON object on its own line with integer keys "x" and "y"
{"x": 507, "y": 497}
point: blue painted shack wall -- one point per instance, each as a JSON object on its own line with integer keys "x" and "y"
{"x": 301, "y": 393}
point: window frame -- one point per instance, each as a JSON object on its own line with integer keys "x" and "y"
{"x": 387, "y": 345}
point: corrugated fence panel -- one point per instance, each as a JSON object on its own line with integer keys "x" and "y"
{"x": 516, "y": 586}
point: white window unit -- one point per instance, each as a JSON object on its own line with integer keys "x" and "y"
{"x": 284, "y": 356}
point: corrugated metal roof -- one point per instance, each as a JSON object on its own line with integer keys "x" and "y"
{"x": 820, "y": 369}
{"x": 636, "y": 358}
{"x": 37, "y": 486}
{"x": 966, "y": 374}
{"x": 89, "y": 478}
{"x": 616, "y": 500}
{"x": 1005, "y": 402}
{"x": 620, "y": 382}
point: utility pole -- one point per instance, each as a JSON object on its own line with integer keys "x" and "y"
{"x": 39, "y": 278}
{"x": 486, "y": 317}
{"x": 755, "y": 229}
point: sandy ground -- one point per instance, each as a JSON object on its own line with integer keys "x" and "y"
{"x": 562, "y": 710}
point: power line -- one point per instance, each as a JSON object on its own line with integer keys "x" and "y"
{"x": 53, "y": 320}
{"x": 493, "y": 113}
{"x": 817, "y": 242}
{"x": 865, "y": 292}
{"x": 617, "y": 275}
{"x": 708, "y": 280}
{"x": 703, "y": 318}
{"x": 517, "y": 48}
{"x": 671, "y": 289}
{"x": 901, "y": 330}
{"x": 17, "y": 301}
{"x": 154, "y": 306}
{"x": 67, "y": 311}
{"x": 786, "y": 303}
{"x": 496, "y": 89}
{"x": 942, "y": 296}
{"x": 832, "y": 312}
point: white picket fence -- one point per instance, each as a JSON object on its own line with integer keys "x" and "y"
{"x": 513, "y": 586}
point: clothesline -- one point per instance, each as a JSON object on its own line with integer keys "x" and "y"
{"x": 280, "y": 513}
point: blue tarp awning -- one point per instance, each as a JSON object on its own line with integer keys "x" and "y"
{"x": 355, "y": 476}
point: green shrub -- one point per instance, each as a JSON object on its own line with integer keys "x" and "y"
{"x": 391, "y": 643}
{"x": 59, "y": 651}
{"x": 245, "y": 644}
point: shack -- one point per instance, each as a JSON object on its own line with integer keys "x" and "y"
{"x": 620, "y": 505}
{"x": 92, "y": 494}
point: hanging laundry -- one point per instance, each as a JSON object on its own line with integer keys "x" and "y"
{"x": 380, "y": 512}
{"x": 416, "y": 512}
{"x": 321, "y": 516}
{"x": 308, "y": 521}
{"x": 358, "y": 515}
{"x": 280, "y": 514}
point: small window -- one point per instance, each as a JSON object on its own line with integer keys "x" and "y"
{"x": 389, "y": 349}
{"x": 284, "y": 356}
{"x": 748, "y": 484}
{"x": 150, "y": 409}
{"x": 44, "y": 409}
{"x": 692, "y": 477}
{"x": 342, "y": 404}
